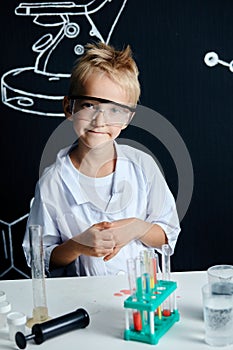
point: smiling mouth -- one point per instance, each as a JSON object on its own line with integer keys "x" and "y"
{"x": 97, "y": 132}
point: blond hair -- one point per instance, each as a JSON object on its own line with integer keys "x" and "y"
{"x": 119, "y": 65}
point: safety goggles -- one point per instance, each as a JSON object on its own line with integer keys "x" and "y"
{"x": 88, "y": 108}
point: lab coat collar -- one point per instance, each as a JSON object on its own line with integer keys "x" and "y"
{"x": 69, "y": 174}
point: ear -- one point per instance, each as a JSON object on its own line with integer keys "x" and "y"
{"x": 67, "y": 108}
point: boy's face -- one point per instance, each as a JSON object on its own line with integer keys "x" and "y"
{"x": 97, "y": 130}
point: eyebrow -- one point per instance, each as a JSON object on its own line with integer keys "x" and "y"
{"x": 103, "y": 100}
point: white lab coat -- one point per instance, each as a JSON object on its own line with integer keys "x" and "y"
{"x": 136, "y": 189}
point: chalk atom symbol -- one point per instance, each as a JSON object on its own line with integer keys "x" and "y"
{"x": 211, "y": 59}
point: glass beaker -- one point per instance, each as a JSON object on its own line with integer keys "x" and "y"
{"x": 218, "y": 316}
{"x": 221, "y": 274}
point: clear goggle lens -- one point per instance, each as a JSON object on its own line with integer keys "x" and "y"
{"x": 88, "y": 108}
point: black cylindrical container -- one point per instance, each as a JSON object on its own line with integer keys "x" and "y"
{"x": 59, "y": 325}
{"x": 54, "y": 327}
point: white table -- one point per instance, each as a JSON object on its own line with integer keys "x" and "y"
{"x": 107, "y": 314}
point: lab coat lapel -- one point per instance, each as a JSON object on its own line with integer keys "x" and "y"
{"x": 121, "y": 188}
{"x": 70, "y": 178}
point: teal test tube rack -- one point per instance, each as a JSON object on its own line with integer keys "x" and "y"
{"x": 150, "y": 320}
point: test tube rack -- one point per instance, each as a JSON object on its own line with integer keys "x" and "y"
{"x": 153, "y": 323}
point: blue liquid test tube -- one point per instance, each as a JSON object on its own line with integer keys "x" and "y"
{"x": 139, "y": 281}
{"x": 145, "y": 271}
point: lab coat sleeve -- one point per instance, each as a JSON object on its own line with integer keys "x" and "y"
{"x": 44, "y": 215}
{"x": 161, "y": 208}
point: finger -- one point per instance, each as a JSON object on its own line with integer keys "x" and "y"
{"x": 111, "y": 255}
{"x": 103, "y": 225}
{"x": 103, "y": 252}
{"x": 106, "y": 223}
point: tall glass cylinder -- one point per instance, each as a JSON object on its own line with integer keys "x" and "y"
{"x": 40, "y": 310}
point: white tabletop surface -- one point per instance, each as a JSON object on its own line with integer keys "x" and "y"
{"x": 107, "y": 316}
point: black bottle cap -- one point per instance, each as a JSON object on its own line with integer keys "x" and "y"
{"x": 20, "y": 340}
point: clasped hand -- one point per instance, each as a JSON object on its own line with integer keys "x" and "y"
{"x": 105, "y": 239}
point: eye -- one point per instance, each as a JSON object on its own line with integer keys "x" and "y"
{"x": 86, "y": 105}
{"x": 116, "y": 110}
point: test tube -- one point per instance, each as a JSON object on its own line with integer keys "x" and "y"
{"x": 131, "y": 275}
{"x": 166, "y": 271}
{"x": 40, "y": 310}
{"x": 137, "y": 320}
{"x": 139, "y": 282}
{"x": 145, "y": 271}
{"x": 153, "y": 261}
{"x": 136, "y": 315}
{"x": 166, "y": 267}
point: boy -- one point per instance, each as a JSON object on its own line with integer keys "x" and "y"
{"x": 102, "y": 203}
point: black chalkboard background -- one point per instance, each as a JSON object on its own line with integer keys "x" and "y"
{"x": 169, "y": 40}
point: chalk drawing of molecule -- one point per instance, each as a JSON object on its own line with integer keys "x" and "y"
{"x": 211, "y": 59}
{"x": 6, "y": 228}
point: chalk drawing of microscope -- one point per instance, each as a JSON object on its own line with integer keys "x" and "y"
{"x": 39, "y": 90}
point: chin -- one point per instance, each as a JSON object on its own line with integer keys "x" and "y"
{"x": 96, "y": 144}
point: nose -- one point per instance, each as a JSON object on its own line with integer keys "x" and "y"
{"x": 98, "y": 119}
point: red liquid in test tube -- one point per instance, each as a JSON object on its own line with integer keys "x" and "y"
{"x": 166, "y": 270}
{"x": 137, "y": 320}
{"x": 135, "y": 284}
